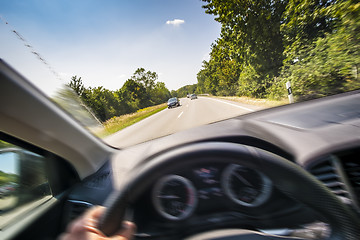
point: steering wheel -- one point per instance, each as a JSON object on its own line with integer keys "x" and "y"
{"x": 288, "y": 177}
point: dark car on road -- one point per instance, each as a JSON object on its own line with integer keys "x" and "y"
{"x": 173, "y": 102}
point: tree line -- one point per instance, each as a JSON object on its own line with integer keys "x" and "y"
{"x": 185, "y": 90}
{"x": 265, "y": 43}
{"x": 140, "y": 91}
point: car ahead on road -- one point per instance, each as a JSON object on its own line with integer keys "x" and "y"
{"x": 173, "y": 102}
{"x": 285, "y": 168}
{"x": 193, "y": 96}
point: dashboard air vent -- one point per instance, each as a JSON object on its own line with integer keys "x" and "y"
{"x": 326, "y": 171}
{"x": 352, "y": 169}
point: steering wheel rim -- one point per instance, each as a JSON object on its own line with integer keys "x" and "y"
{"x": 288, "y": 177}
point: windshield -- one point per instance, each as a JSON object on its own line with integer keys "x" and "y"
{"x": 117, "y": 66}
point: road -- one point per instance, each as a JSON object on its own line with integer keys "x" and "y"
{"x": 190, "y": 114}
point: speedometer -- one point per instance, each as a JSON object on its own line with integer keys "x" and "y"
{"x": 174, "y": 197}
{"x": 246, "y": 186}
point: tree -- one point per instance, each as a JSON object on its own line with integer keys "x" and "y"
{"x": 69, "y": 100}
{"x": 250, "y": 38}
{"x": 77, "y": 85}
{"x": 323, "y": 57}
{"x": 134, "y": 93}
{"x": 145, "y": 78}
{"x": 185, "y": 90}
{"x": 160, "y": 93}
{"x": 303, "y": 23}
{"x": 102, "y": 101}
{"x": 263, "y": 44}
{"x": 140, "y": 91}
{"x": 207, "y": 81}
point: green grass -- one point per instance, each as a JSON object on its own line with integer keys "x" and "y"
{"x": 116, "y": 124}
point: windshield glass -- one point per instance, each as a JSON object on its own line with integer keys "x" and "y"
{"x": 117, "y": 66}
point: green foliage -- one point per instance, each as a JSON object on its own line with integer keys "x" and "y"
{"x": 146, "y": 79}
{"x": 77, "y": 85}
{"x": 207, "y": 80}
{"x": 102, "y": 101}
{"x": 132, "y": 96}
{"x": 249, "y": 52}
{"x": 4, "y": 144}
{"x": 159, "y": 93}
{"x": 331, "y": 61}
{"x": 263, "y": 44}
{"x": 6, "y": 178}
{"x": 140, "y": 91}
{"x": 68, "y": 99}
{"x": 184, "y": 91}
{"x": 249, "y": 82}
{"x": 304, "y": 22}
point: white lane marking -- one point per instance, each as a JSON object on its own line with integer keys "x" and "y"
{"x": 234, "y": 105}
{"x": 180, "y": 114}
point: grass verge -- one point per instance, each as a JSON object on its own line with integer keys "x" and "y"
{"x": 265, "y": 103}
{"x": 118, "y": 123}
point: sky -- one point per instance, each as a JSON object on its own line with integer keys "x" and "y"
{"x": 8, "y": 162}
{"x": 104, "y": 42}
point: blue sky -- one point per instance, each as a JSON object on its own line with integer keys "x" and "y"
{"x": 104, "y": 42}
{"x": 8, "y": 162}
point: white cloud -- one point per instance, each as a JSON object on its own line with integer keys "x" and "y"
{"x": 175, "y": 22}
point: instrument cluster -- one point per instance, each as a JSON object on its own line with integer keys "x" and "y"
{"x": 177, "y": 196}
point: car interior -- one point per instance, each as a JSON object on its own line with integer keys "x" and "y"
{"x": 290, "y": 172}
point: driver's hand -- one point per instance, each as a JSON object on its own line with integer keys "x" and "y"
{"x": 85, "y": 228}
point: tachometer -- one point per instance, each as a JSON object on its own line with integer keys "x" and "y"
{"x": 246, "y": 186}
{"x": 174, "y": 197}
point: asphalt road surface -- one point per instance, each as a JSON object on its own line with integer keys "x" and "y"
{"x": 190, "y": 114}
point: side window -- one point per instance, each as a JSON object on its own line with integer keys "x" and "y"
{"x": 23, "y": 182}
